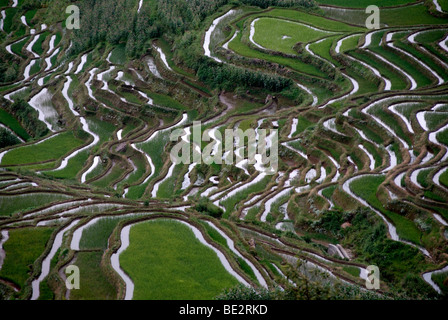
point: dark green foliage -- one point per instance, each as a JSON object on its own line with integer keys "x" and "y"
{"x": 32, "y": 4}
{"x": 331, "y": 222}
{"x": 114, "y": 21}
{"x": 6, "y": 292}
{"x": 229, "y": 77}
{"x": 8, "y": 70}
{"x": 293, "y": 93}
{"x": 178, "y": 16}
{"x": 394, "y": 259}
{"x": 416, "y": 287}
{"x": 303, "y": 289}
{"x": 117, "y": 21}
{"x": 206, "y": 207}
{"x": 7, "y": 139}
{"x": 367, "y": 238}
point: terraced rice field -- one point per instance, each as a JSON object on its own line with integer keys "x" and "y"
{"x": 86, "y": 177}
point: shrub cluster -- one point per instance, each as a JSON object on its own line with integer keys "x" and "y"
{"x": 7, "y": 139}
{"x": 206, "y": 207}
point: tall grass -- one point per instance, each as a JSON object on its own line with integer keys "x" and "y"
{"x": 105, "y": 132}
{"x": 328, "y": 192}
{"x": 214, "y": 234}
{"x": 441, "y": 280}
{"x": 371, "y": 148}
{"x": 302, "y": 125}
{"x": 166, "y": 101}
{"x": 350, "y": 43}
{"x": 423, "y": 57}
{"x": 154, "y": 148}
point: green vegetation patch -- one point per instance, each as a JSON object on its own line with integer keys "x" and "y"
{"x": 322, "y": 49}
{"x": 366, "y": 188}
{"x": 350, "y": 43}
{"x": 22, "y": 249}
{"x": 435, "y": 119}
{"x": 441, "y": 279}
{"x": 314, "y": 20}
{"x": 95, "y": 285}
{"x": 106, "y": 181}
{"x": 18, "y": 47}
{"x": 397, "y": 80}
{"x": 118, "y": 55}
{"x": 392, "y": 17}
{"x": 282, "y": 35}
{"x": 444, "y": 178}
{"x": 105, "y": 132}
{"x": 12, "y": 204}
{"x": 29, "y": 15}
{"x": 166, "y": 261}
{"x": 302, "y": 125}
{"x": 443, "y": 137}
{"x": 11, "y": 122}
{"x": 37, "y": 47}
{"x": 166, "y": 101}
{"x": 51, "y": 149}
{"x": 231, "y": 202}
{"x": 400, "y": 16}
